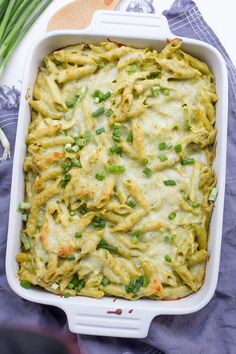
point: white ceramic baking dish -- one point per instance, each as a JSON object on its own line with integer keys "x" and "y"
{"x": 109, "y": 316}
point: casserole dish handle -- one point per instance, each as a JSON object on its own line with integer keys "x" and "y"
{"x": 116, "y": 320}
{"x": 137, "y": 25}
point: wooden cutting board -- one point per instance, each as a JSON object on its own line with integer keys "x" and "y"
{"x": 78, "y": 14}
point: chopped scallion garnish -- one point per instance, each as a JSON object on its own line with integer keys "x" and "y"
{"x": 78, "y": 234}
{"x": 129, "y": 138}
{"x": 24, "y": 217}
{"x": 188, "y": 161}
{"x": 136, "y": 236}
{"x": 100, "y": 131}
{"x": 115, "y": 149}
{"x": 172, "y": 215}
{"x": 186, "y": 126}
{"x": 163, "y": 157}
{"x": 116, "y": 169}
{"x": 106, "y": 95}
{"x": 148, "y": 172}
{"x": 168, "y": 239}
{"x": 185, "y": 195}
{"x": 131, "y": 203}
{"x": 108, "y": 113}
{"x": 167, "y": 258}
{"x": 162, "y": 145}
{"x": 25, "y": 284}
{"x": 24, "y": 239}
{"x": 166, "y": 92}
{"x": 98, "y": 112}
{"x": 100, "y": 176}
{"x": 213, "y": 194}
{"x": 169, "y": 182}
{"x": 105, "y": 281}
{"x": 106, "y": 246}
{"x": 81, "y": 285}
{"x": 24, "y": 206}
{"x": 195, "y": 205}
{"x": 156, "y": 90}
{"x": 71, "y": 257}
{"x": 178, "y": 148}
{"x": 98, "y": 222}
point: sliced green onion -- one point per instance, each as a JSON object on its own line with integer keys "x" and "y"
{"x": 57, "y": 62}
{"x": 178, "y": 148}
{"x": 106, "y": 95}
{"x": 163, "y": 157}
{"x": 105, "y": 281}
{"x": 101, "y": 65}
{"x": 82, "y": 142}
{"x": 169, "y": 146}
{"x": 24, "y": 217}
{"x": 97, "y": 93}
{"x": 66, "y": 179}
{"x": 145, "y": 281}
{"x": 136, "y": 236}
{"x": 130, "y": 287}
{"x": 167, "y": 258}
{"x": 195, "y": 205}
{"x": 131, "y": 203}
{"x": 24, "y": 239}
{"x": 106, "y": 246}
{"x": 172, "y": 215}
{"x": 100, "y": 176}
{"x": 144, "y": 162}
{"x": 100, "y": 131}
{"x": 116, "y": 169}
{"x": 213, "y": 194}
{"x": 156, "y": 90}
{"x": 162, "y": 145}
{"x": 75, "y": 162}
{"x": 98, "y": 112}
{"x": 108, "y": 113}
{"x": 135, "y": 284}
{"x": 138, "y": 284}
{"x": 66, "y": 165}
{"x": 25, "y": 284}
{"x": 148, "y": 172}
{"x": 166, "y": 92}
{"x": 24, "y": 206}
{"x": 185, "y": 195}
{"x": 168, "y": 239}
{"x": 87, "y": 135}
{"x": 188, "y": 161}
{"x": 81, "y": 285}
{"x": 78, "y": 234}
{"x": 71, "y": 257}
{"x": 66, "y": 295}
{"x": 98, "y": 222}
{"x": 82, "y": 91}
{"x": 83, "y": 210}
{"x": 73, "y": 283}
{"x": 72, "y": 102}
{"x": 115, "y": 149}
{"x": 129, "y": 138}
{"x": 169, "y": 182}
{"x": 186, "y": 126}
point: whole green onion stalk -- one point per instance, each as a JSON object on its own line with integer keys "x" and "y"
{"x": 16, "y": 18}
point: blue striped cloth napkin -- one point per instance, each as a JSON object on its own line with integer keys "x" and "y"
{"x": 211, "y": 330}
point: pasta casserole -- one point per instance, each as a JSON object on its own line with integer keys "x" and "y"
{"x": 119, "y": 183}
